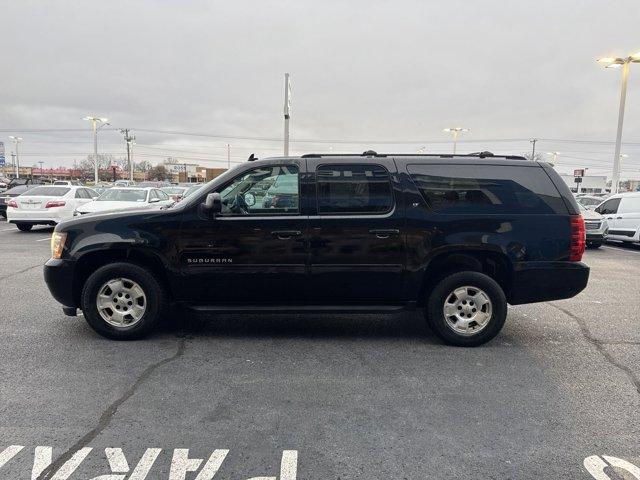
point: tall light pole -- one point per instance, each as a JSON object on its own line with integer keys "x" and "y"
{"x": 17, "y": 141}
{"x": 554, "y": 155}
{"x": 41, "y": 170}
{"x": 617, "y": 62}
{"x": 129, "y": 139}
{"x": 94, "y": 127}
{"x": 287, "y": 112}
{"x": 455, "y": 131}
{"x": 533, "y": 149}
{"x": 228, "y": 156}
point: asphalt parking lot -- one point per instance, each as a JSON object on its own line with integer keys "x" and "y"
{"x": 320, "y": 396}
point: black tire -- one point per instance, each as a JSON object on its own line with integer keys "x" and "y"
{"x": 594, "y": 244}
{"x": 24, "y": 227}
{"x": 442, "y": 291}
{"x": 156, "y": 301}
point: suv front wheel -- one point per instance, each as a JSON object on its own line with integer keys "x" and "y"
{"x": 466, "y": 309}
{"x": 122, "y": 301}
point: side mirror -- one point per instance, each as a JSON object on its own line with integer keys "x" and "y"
{"x": 213, "y": 204}
{"x": 154, "y": 200}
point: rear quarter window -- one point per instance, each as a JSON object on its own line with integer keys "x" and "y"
{"x": 487, "y": 189}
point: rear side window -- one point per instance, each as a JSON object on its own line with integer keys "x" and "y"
{"x": 629, "y": 205}
{"x": 356, "y": 189}
{"x": 486, "y": 189}
{"x": 46, "y": 192}
{"x": 609, "y": 207}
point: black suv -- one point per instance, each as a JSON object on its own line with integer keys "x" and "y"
{"x": 460, "y": 236}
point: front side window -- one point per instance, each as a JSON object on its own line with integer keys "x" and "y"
{"x": 609, "y": 207}
{"x": 269, "y": 190}
{"x": 469, "y": 189}
{"x": 353, "y": 189}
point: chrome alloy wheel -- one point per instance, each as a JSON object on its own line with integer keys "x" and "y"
{"x": 467, "y": 310}
{"x": 121, "y": 302}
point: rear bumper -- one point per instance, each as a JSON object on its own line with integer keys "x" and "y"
{"x": 543, "y": 281}
{"x": 58, "y": 275}
{"x": 37, "y": 217}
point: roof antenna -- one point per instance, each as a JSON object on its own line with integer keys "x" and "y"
{"x": 252, "y": 158}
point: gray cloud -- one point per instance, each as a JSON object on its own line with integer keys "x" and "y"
{"x": 361, "y": 70}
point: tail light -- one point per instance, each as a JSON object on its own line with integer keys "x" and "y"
{"x": 55, "y": 203}
{"x": 12, "y": 204}
{"x": 578, "y": 238}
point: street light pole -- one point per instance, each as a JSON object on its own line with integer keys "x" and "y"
{"x": 17, "y": 141}
{"x": 94, "y": 127}
{"x": 455, "y": 131}
{"x": 129, "y": 139}
{"x": 41, "y": 169}
{"x": 615, "y": 178}
{"x": 625, "y": 63}
{"x": 287, "y": 112}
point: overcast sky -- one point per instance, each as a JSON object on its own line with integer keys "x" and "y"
{"x": 362, "y": 72}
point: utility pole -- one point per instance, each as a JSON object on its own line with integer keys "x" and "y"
{"x": 129, "y": 139}
{"x": 533, "y": 149}
{"x": 41, "y": 169}
{"x": 228, "y": 156}
{"x": 287, "y": 112}
{"x": 13, "y": 160}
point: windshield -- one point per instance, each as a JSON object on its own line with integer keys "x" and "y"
{"x": 46, "y": 192}
{"x": 123, "y": 195}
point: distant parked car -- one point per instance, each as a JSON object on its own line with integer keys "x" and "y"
{"x": 46, "y": 205}
{"x": 124, "y": 183}
{"x": 9, "y": 194}
{"x": 176, "y": 193}
{"x": 126, "y": 198}
{"x": 589, "y": 201}
{"x": 595, "y": 226}
{"x": 622, "y": 213}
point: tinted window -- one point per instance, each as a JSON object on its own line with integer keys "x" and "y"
{"x": 46, "y": 191}
{"x": 629, "y": 205}
{"x": 471, "y": 189}
{"x": 80, "y": 193}
{"x": 609, "y": 207}
{"x": 266, "y": 190}
{"x": 361, "y": 189}
{"x": 162, "y": 195}
{"x": 123, "y": 195}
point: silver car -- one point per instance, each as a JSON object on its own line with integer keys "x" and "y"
{"x": 596, "y": 227}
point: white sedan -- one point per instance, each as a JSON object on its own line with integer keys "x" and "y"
{"x": 124, "y": 198}
{"x": 47, "y": 205}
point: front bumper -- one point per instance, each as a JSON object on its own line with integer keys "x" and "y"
{"x": 58, "y": 275}
{"x": 596, "y": 237}
{"x": 544, "y": 281}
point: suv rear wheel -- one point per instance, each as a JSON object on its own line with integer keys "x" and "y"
{"x": 466, "y": 309}
{"x": 122, "y": 301}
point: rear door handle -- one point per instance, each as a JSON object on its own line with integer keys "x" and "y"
{"x": 286, "y": 234}
{"x": 618, "y": 218}
{"x": 385, "y": 233}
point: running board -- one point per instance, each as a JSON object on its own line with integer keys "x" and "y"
{"x": 301, "y": 308}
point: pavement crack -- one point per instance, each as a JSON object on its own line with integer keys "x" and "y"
{"x": 110, "y": 411}
{"x": 600, "y": 346}
{"x": 13, "y": 274}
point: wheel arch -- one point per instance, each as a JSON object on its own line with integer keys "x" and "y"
{"x": 493, "y": 264}
{"x": 91, "y": 261}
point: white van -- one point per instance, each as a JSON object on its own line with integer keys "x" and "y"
{"x": 622, "y": 212}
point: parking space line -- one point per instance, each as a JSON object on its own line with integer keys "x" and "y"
{"x": 609, "y": 247}
{"x": 8, "y": 229}
{"x": 43, "y": 239}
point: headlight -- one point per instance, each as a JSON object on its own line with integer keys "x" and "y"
{"x": 57, "y": 244}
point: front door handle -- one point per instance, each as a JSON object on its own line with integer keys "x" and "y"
{"x": 385, "y": 232}
{"x": 618, "y": 218}
{"x": 286, "y": 234}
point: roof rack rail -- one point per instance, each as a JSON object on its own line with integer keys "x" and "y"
{"x": 371, "y": 153}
